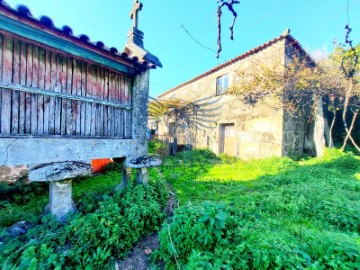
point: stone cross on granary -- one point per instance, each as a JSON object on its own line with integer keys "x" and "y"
{"x": 137, "y": 6}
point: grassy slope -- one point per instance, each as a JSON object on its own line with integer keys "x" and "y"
{"x": 317, "y": 199}
{"x": 334, "y": 177}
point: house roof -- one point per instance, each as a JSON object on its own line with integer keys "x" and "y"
{"x": 44, "y": 23}
{"x": 285, "y": 35}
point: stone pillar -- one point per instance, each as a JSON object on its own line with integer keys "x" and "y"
{"x": 125, "y": 176}
{"x": 61, "y": 202}
{"x": 142, "y": 176}
{"x": 140, "y": 112}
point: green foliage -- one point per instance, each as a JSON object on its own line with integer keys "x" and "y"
{"x": 113, "y": 167}
{"x": 154, "y": 145}
{"x": 213, "y": 216}
{"x": 27, "y": 201}
{"x": 188, "y": 164}
{"x": 21, "y": 192}
{"x": 105, "y": 228}
{"x": 278, "y": 214}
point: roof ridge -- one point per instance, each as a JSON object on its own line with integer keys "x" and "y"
{"x": 285, "y": 34}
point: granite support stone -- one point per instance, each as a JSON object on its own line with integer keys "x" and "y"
{"x": 142, "y": 176}
{"x": 61, "y": 202}
{"x": 59, "y": 175}
{"x": 125, "y": 176}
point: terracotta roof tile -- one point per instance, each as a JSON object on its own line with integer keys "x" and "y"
{"x": 24, "y": 12}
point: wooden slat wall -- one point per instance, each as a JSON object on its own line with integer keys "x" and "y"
{"x": 32, "y": 66}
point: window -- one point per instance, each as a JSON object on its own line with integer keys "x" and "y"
{"x": 222, "y": 84}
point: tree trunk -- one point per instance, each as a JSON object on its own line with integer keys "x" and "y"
{"x": 319, "y": 139}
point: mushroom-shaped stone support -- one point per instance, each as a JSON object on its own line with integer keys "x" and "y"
{"x": 59, "y": 176}
{"x": 141, "y": 165}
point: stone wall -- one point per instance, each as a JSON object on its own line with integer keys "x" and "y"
{"x": 12, "y": 173}
{"x": 258, "y": 128}
{"x": 294, "y": 134}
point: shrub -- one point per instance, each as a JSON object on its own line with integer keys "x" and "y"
{"x": 113, "y": 166}
{"x": 21, "y": 192}
{"x": 244, "y": 241}
{"x": 154, "y": 145}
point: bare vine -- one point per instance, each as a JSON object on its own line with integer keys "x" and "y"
{"x": 230, "y": 5}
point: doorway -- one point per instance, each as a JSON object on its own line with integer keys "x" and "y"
{"x": 227, "y": 139}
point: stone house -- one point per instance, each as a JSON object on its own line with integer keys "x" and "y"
{"x": 225, "y": 124}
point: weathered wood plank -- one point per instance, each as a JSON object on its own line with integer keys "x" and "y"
{"x": 34, "y": 71}
{"x": 95, "y": 109}
{"x": 93, "y": 93}
{"x": 1, "y": 72}
{"x": 101, "y": 79}
{"x": 28, "y": 81}
{"x": 15, "y": 98}
{"x": 111, "y": 112}
{"x": 22, "y": 116}
{"x": 88, "y": 106}
{"x": 69, "y": 117}
{"x": 63, "y": 90}
{"x": 73, "y": 92}
{"x": 47, "y": 105}
{"x": 52, "y": 86}
{"x": 76, "y": 105}
{"x": 40, "y": 99}
{"x": 57, "y": 88}
{"x": 128, "y": 113}
{"x": 121, "y": 113}
{"x": 116, "y": 116}
{"x": 83, "y": 94}
{"x": 106, "y": 97}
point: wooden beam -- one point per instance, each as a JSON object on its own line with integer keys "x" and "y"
{"x": 37, "y": 35}
{"x": 32, "y": 90}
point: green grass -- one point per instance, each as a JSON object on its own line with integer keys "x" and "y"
{"x": 279, "y": 204}
{"x": 30, "y": 210}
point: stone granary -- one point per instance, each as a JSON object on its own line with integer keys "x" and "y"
{"x": 225, "y": 124}
{"x": 65, "y": 100}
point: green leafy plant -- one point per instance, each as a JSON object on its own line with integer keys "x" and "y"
{"x": 214, "y": 217}
{"x": 105, "y": 228}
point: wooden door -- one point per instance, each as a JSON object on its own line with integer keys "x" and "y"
{"x": 227, "y": 139}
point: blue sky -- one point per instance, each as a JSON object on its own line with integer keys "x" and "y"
{"x": 315, "y": 23}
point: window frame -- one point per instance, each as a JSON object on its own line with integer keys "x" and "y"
{"x": 224, "y": 88}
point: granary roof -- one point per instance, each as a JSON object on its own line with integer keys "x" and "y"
{"x": 285, "y": 35}
{"x": 45, "y": 24}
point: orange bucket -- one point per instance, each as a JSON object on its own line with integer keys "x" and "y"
{"x": 99, "y": 164}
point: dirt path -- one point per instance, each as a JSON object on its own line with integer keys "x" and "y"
{"x": 139, "y": 256}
